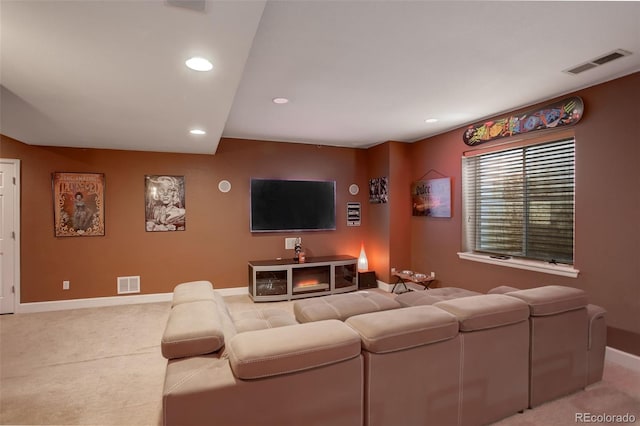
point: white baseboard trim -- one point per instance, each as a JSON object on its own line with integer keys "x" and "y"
{"x": 233, "y": 291}
{"x": 98, "y": 302}
{"x": 94, "y": 302}
{"x": 627, "y": 360}
{"x": 385, "y": 286}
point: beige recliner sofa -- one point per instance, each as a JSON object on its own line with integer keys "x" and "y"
{"x": 358, "y": 359}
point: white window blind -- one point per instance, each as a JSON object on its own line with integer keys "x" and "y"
{"x": 520, "y": 202}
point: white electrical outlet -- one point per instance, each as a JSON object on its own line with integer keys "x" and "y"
{"x": 433, "y": 274}
{"x": 65, "y": 285}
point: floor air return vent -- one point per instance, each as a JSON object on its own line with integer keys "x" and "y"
{"x": 127, "y": 285}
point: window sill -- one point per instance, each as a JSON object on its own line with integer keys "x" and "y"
{"x": 531, "y": 265}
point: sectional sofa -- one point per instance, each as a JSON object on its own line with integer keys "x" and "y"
{"x": 455, "y": 358}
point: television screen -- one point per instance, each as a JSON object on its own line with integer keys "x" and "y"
{"x": 292, "y": 205}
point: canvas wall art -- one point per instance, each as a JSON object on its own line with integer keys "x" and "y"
{"x": 379, "y": 190}
{"x": 165, "y": 208}
{"x": 431, "y": 197}
{"x": 78, "y": 200}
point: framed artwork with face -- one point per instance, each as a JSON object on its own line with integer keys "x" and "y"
{"x": 165, "y": 208}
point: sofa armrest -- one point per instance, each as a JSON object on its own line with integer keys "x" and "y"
{"x": 274, "y": 351}
{"x": 597, "y": 343}
{"x": 597, "y": 326}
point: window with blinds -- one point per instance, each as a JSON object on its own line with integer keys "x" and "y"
{"x": 520, "y": 202}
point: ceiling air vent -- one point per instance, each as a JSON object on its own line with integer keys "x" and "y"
{"x": 601, "y": 60}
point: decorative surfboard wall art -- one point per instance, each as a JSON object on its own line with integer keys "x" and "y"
{"x": 566, "y": 112}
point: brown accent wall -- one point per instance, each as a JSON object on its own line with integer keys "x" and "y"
{"x": 378, "y": 217}
{"x": 400, "y": 204}
{"x": 607, "y": 234}
{"x": 217, "y": 242}
{"x": 389, "y": 238}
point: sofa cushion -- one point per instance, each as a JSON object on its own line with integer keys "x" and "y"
{"x": 429, "y": 297}
{"x": 486, "y": 311}
{"x": 403, "y": 328}
{"x": 502, "y": 289}
{"x": 261, "y": 319}
{"x": 192, "y": 329}
{"x": 228, "y": 327}
{"x": 192, "y": 291}
{"x": 275, "y": 351}
{"x": 552, "y": 299}
{"x": 342, "y": 306}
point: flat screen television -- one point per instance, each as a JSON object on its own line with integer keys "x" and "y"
{"x": 292, "y": 205}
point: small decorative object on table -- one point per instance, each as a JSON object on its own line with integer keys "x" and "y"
{"x": 406, "y": 275}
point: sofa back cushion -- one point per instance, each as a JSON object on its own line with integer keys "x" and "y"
{"x": 404, "y": 328}
{"x": 275, "y": 351}
{"x": 341, "y": 306}
{"x": 193, "y": 328}
{"x": 433, "y": 296}
{"x": 486, "y": 311}
{"x": 552, "y": 299}
{"x": 192, "y": 291}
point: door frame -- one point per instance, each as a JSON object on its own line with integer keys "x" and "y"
{"x": 16, "y": 225}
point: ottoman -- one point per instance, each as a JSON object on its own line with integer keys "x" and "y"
{"x": 341, "y": 306}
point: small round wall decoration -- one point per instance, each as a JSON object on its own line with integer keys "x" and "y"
{"x": 354, "y": 189}
{"x": 224, "y": 186}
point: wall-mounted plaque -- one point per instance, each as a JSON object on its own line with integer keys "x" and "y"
{"x": 353, "y": 214}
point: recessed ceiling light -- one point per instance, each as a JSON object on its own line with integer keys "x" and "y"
{"x": 280, "y": 101}
{"x": 197, "y": 132}
{"x": 199, "y": 64}
{"x": 431, "y": 120}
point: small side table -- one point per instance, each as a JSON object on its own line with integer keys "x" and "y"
{"x": 367, "y": 280}
{"x": 402, "y": 278}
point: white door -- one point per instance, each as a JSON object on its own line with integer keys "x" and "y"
{"x": 9, "y": 220}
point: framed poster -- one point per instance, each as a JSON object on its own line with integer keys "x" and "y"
{"x": 431, "y": 197}
{"x": 164, "y": 203}
{"x": 379, "y": 190}
{"x": 78, "y": 204}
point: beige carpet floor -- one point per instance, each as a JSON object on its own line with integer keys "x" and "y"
{"x": 102, "y": 366}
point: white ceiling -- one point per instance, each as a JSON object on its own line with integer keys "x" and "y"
{"x": 111, "y": 74}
